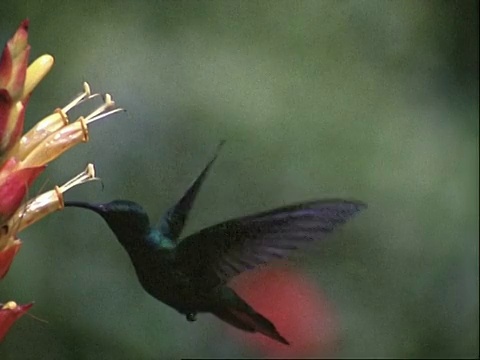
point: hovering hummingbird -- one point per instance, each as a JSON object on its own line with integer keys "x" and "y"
{"x": 191, "y": 274}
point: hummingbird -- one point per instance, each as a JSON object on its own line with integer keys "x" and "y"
{"x": 191, "y": 274}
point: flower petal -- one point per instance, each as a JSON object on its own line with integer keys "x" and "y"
{"x": 9, "y": 313}
{"x": 6, "y": 257}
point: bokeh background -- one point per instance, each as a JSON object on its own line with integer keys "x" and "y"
{"x": 372, "y": 100}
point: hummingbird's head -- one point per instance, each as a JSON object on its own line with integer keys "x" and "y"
{"x": 127, "y": 219}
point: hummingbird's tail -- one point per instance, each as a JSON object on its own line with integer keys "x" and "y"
{"x": 241, "y": 315}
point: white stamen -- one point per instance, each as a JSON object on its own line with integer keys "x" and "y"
{"x": 86, "y": 94}
{"x": 101, "y": 116}
{"x": 87, "y": 175}
{"x": 103, "y": 110}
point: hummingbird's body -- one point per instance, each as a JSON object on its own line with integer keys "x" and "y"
{"x": 191, "y": 275}
{"x": 158, "y": 273}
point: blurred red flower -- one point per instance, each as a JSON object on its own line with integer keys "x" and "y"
{"x": 297, "y": 307}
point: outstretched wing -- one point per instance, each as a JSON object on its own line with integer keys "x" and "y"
{"x": 217, "y": 253}
{"x": 172, "y": 223}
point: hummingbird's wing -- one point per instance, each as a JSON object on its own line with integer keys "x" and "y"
{"x": 217, "y": 253}
{"x": 172, "y": 223}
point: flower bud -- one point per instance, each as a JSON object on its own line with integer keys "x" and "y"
{"x": 13, "y": 64}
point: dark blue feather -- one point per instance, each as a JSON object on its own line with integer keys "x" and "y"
{"x": 173, "y": 222}
{"x": 219, "y": 252}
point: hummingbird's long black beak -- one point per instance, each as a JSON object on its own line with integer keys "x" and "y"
{"x": 98, "y": 208}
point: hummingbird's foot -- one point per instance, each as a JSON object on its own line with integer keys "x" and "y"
{"x": 192, "y": 316}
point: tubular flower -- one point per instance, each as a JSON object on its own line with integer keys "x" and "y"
{"x": 32, "y": 211}
{"x": 24, "y": 158}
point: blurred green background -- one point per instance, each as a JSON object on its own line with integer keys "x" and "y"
{"x": 372, "y": 100}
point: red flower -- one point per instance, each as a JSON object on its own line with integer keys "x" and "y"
{"x": 9, "y": 313}
{"x": 296, "y": 306}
